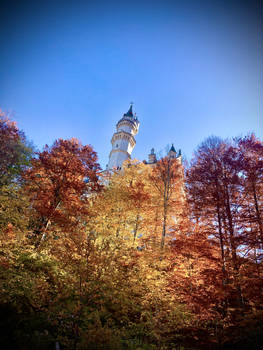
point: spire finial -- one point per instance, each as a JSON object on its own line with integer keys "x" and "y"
{"x": 130, "y": 109}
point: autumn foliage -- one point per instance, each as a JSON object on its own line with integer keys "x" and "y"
{"x": 59, "y": 183}
{"x": 145, "y": 257}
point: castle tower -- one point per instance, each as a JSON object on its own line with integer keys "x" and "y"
{"x": 172, "y": 152}
{"x": 152, "y": 157}
{"x": 123, "y": 140}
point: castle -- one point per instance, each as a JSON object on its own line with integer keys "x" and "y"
{"x": 123, "y": 142}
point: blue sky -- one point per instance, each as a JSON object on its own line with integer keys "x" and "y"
{"x": 192, "y": 69}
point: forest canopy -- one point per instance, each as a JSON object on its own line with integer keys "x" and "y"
{"x": 168, "y": 256}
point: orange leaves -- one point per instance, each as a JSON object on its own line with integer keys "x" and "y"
{"x": 60, "y": 181}
{"x": 195, "y": 276}
{"x": 168, "y": 193}
{"x": 137, "y": 192}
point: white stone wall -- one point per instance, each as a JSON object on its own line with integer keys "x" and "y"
{"x": 116, "y": 159}
{"x": 125, "y": 127}
{"x": 121, "y": 144}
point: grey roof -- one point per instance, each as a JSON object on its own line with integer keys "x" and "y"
{"x": 172, "y": 148}
{"x": 129, "y": 113}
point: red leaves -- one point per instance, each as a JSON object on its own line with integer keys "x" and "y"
{"x": 224, "y": 186}
{"x": 137, "y": 193}
{"x": 61, "y": 179}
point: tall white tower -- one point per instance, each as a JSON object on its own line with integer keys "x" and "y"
{"x": 123, "y": 140}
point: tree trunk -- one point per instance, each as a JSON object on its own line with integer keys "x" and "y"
{"x": 136, "y": 228}
{"x": 233, "y": 246}
{"x": 164, "y": 225}
{"x": 257, "y": 212}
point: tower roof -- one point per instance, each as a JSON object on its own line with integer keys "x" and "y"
{"x": 172, "y": 148}
{"x": 131, "y": 117}
{"x": 129, "y": 113}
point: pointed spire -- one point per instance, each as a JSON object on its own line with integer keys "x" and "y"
{"x": 130, "y": 112}
{"x": 172, "y": 148}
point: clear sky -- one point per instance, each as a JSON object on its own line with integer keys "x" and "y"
{"x": 192, "y": 69}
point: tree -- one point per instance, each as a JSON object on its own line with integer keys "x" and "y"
{"x": 196, "y": 277}
{"x": 223, "y": 208}
{"x": 119, "y": 211}
{"x": 251, "y": 157}
{"x": 167, "y": 179}
{"x": 136, "y": 191}
{"x": 60, "y": 182}
{"x": 215, "y": 189}
{"x": 15, "y": 153}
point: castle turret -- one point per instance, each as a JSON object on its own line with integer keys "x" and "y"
{"x": 123, "y": 140}
{"x": 172, "y": 152}
{"x": 152, "y": 157}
